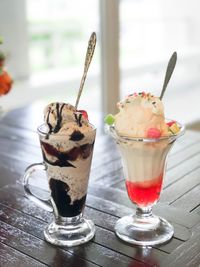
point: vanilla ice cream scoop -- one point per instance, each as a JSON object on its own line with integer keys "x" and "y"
{"x": 63, "y": 118}
{"x": 141, "y": 115}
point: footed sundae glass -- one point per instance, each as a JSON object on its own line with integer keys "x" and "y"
{"x": 144, "y": 162}
{"x": 67, "y": 162}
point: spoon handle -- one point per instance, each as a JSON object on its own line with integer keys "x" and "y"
{"x": 88, "y": 59}
{"x": 170, "y": 68}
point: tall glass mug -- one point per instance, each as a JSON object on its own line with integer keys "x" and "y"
{"x": 67, "y": 162}
{"x": 144, "y": 162}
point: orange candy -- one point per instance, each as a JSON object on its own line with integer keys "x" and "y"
{"x": 5, "y": 83}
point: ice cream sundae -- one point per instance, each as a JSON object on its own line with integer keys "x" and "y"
{"x": 67, "y": 149}
{"x": 67, "y": 141}
{"x": 144, "y": 138}
{"x": 141, "y": 116}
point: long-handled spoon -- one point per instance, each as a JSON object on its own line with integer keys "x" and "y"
{"x": 88, "y": 59}
{"x": 170, "y": 68}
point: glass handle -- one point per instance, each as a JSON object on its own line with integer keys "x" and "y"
{"x": 39, "y": 202}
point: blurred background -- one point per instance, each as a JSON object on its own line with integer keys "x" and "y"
{"x": 45, "y": 42}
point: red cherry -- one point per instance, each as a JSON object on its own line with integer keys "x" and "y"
{"x": 143, "y": 94}
{"x": 170, "y": 123}
{"x": 153, "y": 133}
{"x": 84, "y": 113}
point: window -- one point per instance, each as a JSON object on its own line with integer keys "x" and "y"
{"x": 150, "y": 32}
{"x": 58, "y": 35}
{"x": 46, "y": 43}
{"x": 53, "y": 38}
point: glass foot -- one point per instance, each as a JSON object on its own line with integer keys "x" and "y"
{"x": 69, "y": 231}
{"x": 144, "y": 231}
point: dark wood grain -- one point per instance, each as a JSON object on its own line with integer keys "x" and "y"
{"x": 103, "y": 237}
{"x": 188, "y": 255}
{"x": 38, "y": 249}
{"x": 182, "y": 169}
{"x": 173, "y": 192}
{"x": 25, "y": 243}
{"x": 15, "y": 166}
{"x": 104, "y": 214}
{"x": 28, "y": 118}
{"x": 10, "y": 257}
{"x": 14, "y": 150}
{"x": 183, "y": 155}
{"x": 20, "y": 135}
{"x": 190, "y": 200}
{"x": 35, "y": 222}
{"x": 7, "y": 176}
{"x": 106, "y": 222}
{"x": 118, "y": 197}
{"x": 196, "y": 209}
{"x": 14, "y": 192}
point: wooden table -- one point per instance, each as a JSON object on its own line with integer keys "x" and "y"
{"x": 22, "y": 223}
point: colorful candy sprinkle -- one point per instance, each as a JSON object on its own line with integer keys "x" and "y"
{"x": 170, "y": 123}
{"x": 174, "y": 128}
{"x": 153, "y": 133}
{"x": 109, "y": 119}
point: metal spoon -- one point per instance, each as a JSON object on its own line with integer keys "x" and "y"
{"x": 170, "y": 68}
{"x": 88, "y": 59}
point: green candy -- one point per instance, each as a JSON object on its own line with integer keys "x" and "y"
{"x": 109, "y": 119}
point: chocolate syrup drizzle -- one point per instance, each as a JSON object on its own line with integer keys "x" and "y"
{"x": 48, "y": 123}
{"x": 78, "y": 117}
{"x": 59, "y": 119}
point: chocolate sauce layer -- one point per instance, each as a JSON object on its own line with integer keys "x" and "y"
{"x": 76, "y": 136}
{"x": 73, "y": 154}
{"x": 61, "y": 162}
{"x": 59, "y": 193}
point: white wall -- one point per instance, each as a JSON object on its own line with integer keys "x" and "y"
{"x": 13, "y": 29}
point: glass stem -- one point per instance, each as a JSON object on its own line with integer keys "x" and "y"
{"x": 145, "y": 212}
{"x": 69, "y": 220}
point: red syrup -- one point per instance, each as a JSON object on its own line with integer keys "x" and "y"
{"x": 144, "y": 193}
